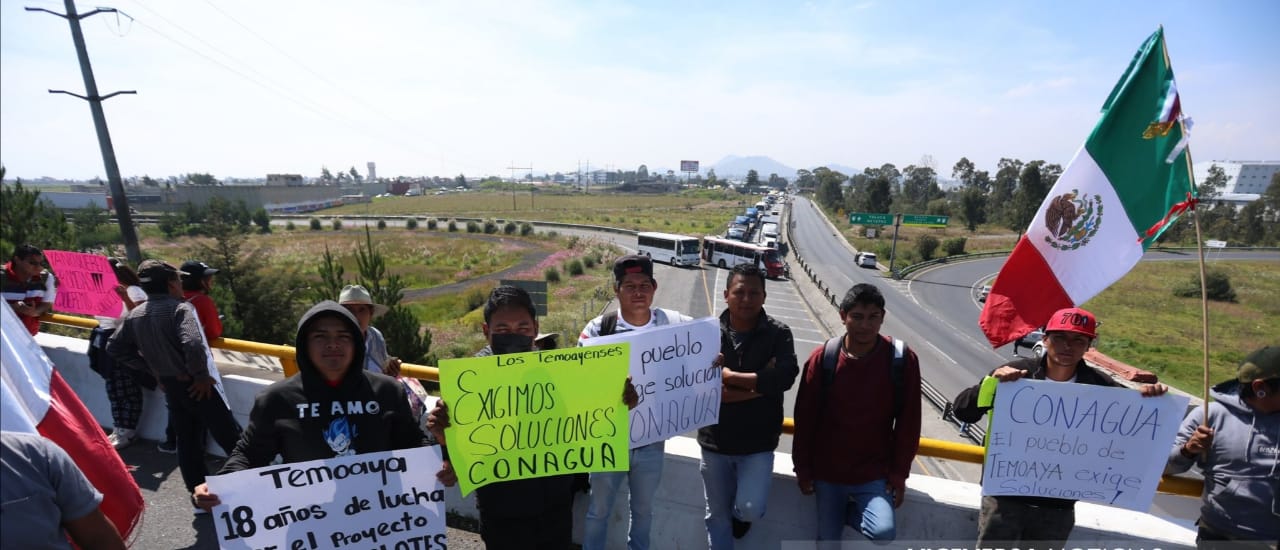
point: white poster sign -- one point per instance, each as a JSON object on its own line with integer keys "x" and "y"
{"x": 382, "y": 500}
{"x": 1080, "y": 442}
{"x": 671, "y": 368}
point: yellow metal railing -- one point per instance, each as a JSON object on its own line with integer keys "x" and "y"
{"x": 936, "y": 448}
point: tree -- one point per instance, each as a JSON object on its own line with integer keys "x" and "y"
{"x": 262, "y": 219}
{"x": 973, "y": 207}
{"x": 331, "y": 281}
{"x": 804, "y": 180}
{"x": 148, "y": 182}
{"x": 355, "y": 176}
{"x": 25, "y": 218}
{"x": 1252, "y": 228}
{"x": 753, "y": 180}
{"x": 263, "y": 299}
{"x": 90, "y": 218}
{"x": 1272, "y": 195}
{"x": 461, "y": 181}
{"x": 1000, "y": 199}
{"x": 642, "y": 173}
{"x": 405, "y": 336}
{"x": 325, "y": 175}
{"x": 830, "y": 193}
{"x": 1213, "y": 185}
{"x": 880, "y": 188}
{"x": 919, "y": 186}
{"x": 201, "y": 179}
{"x": 712, "y": 181}
{"x": 926, "y": 245}
{"x": 963, "y": 171}
{"x": 1026, "y": 200}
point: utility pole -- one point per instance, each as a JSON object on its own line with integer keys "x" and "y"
{"x": 513, "y": 181}
{"x": 118, "y": 198}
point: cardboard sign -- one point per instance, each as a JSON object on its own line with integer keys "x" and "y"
{"x": 537, "y": 414}
{"x": 671, "y": 369}
{"x": 377, "y": 500}
{"x": 86, "y": 284}
{"x": 1079, "y": 442}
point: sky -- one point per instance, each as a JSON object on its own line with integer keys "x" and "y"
{"x": 242, "y": 88}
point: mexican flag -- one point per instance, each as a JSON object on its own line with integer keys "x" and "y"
{"x": 35, "y": 399}
{"x": 1126, "y": 184}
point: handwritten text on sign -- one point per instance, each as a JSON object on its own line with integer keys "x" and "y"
{"x": 1079, "y": 442}
{"x": 671, "y": 368}
{"x": 86, "y": 283}
{"x": 537, "y": 414}
{"x": 386, "y": 501}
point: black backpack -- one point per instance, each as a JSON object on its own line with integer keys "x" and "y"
{"x": 832, "y": 347}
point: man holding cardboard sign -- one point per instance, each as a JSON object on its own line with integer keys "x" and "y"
{"x": 1006, "y": 519}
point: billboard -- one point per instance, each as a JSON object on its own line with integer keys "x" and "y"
{"x": 688, "y": 166}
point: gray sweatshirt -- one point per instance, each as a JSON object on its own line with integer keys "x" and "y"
{"x": 1240, "y": 477}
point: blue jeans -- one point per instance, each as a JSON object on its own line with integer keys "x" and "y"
{"x": 735, "y": 486}
{"x": 870, "y": 512}
{"x": 642, "y": 481}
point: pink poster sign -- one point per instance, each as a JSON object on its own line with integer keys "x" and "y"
{"x": 86, "y": 284}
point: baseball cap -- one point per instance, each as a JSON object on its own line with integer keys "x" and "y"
{"x": 356, "y": 294}
{"x": 150, "y": 270}
{"x": 1073, "y": 319}
{"x": 197, "y": 269}
{"x": 632, "y": 263}
{"x": 1262, "y": 364}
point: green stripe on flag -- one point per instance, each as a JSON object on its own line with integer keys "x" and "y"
{"x": 1136, "y": 167}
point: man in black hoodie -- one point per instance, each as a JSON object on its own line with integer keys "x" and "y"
{"x": 332, "y": 407}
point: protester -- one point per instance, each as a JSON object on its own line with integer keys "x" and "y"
{"x": 358, "y": 301}
{"x": 197, "y": 283}
{"x": 857, "y": 418}
{"x": 522, "y": 513}
{"x": 163, "y": 335}
{"x": 759, "y": 365}
{"x": 124, "y": 385}
{"x": 28, "y": 287}
{"x": 634, "y": 287}
{"x": 46, "y": 498}
{"x": 1237, "y": 452}
{"x": 330, "y": 355}
{"x": 1042, "y": 520}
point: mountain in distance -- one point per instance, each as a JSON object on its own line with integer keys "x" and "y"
{"x": 734, "y": 166}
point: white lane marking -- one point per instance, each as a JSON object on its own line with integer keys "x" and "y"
{"x": 940, "y": 352}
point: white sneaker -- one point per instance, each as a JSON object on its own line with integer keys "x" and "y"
{"x": 122, "y": 437}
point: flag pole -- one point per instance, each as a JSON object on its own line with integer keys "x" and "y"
{"x": 1204, "y": 313}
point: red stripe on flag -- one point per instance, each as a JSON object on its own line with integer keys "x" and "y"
{"x": 69, "y": 424}
{"x": 1025, "y": 295}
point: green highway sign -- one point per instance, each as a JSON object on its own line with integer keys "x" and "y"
{"x": 863, "y": 218}
{"x": 928, "y": 221}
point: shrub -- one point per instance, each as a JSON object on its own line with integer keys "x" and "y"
{"x": 382, "y": 224}
{"x": 473, "y": 227}
{"x": 509, "y": 228}
{"x": 289, "y": 226}
{"x": 475, "y": 297}
{"x": 954, "y": 246}
{"x": 337, "y": 224}
{"x": 432, "y": 223}
{"x": 589, "y": 260}
{"x": 574, "y": 268}
{"x": 1216, "y": 282}
{"x": 927, "y": 245}
{"x": 411, "y": 223}
{"x": 315, "y": 224}
{"x": 453, "y": 226}
{"x": 526, "y": 229}
{"x": 552, "y": 275}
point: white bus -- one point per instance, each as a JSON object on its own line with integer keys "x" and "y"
{"x": 728, "y": 253}
{"x": 665, "y": 247}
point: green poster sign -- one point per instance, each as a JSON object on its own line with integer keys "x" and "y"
{"x": 537, "y": 414}
{"x": 928, "y": 221}
{"x": 864, "y": 218}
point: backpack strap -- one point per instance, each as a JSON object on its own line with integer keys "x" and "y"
{"x": 609, "y": 323}
{"x": 830, "y": 351}
{"x": 895, "y": 373}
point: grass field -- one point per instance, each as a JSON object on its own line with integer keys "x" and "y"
{"x": 1145, "y": 325}
{"x": 691, "y": 214}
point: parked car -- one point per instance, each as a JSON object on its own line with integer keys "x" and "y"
{"x": 866, "y": 259}
{"x": 1033, "y": 340}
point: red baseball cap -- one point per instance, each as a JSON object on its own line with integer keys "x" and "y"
{"x": 1073, "y": 319}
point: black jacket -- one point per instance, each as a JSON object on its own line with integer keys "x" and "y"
{"x": 303, "y": 418}
{"x": 966, "y": 409}
{"x": 753, "y": 426}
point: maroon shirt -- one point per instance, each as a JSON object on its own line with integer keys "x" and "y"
{"x": 854, "y": 440}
